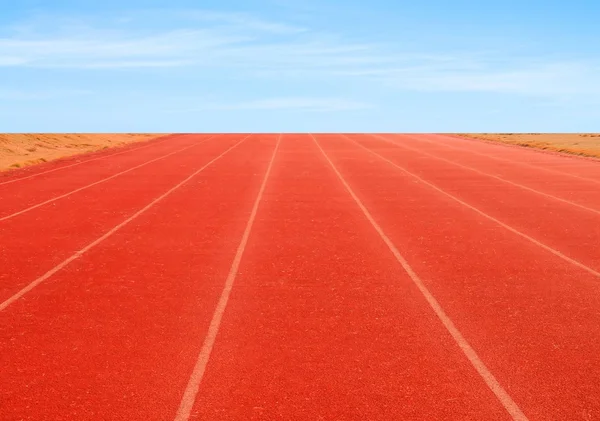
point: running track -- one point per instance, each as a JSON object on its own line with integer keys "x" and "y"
{"x": 279, "y": 277}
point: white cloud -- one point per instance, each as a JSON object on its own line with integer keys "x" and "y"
{"x": 11, "y": 61}
{"x": 244, "y": 21}
{"x": 8, "y": 94}
{"x": 541, "y": 79}
{"x": 286, "y": 103}
{"x": 254, "y": 47}
{"x": 98, "y": 48}
{"x": 190, "y": 38}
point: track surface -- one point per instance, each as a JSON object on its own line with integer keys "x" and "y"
{"x": 338, "y": 277}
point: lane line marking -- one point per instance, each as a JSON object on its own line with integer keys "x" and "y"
{"x": 193, "y": 386}
{"x": 154, "y": 141}
{"x": 79, "y": 253}
{"x": 549, "y": 153}
{"x": 485, "y": 215}
{"x": 497, "y": 158}
{"x": 62, "y": 196}
{"x": 550, "y": 196}
{"x": 507, "y": 402}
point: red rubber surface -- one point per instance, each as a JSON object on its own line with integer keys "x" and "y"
{"x": 323, "y": 322}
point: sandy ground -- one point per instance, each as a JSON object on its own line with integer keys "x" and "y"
{"x": 23, "y": 149}
{"x": 586, "y": 144}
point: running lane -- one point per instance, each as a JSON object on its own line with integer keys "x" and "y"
{"x": 115, "y": 334}
{"x": 579, "y": 166}
{"x": 19, "y": 193}
{"x": 565, "y": 227}
{"x": 582, "y": 191}
{"x": 323, "y": 323}
{"x": 36, "y": 241}
{"x": 15, "y": 175}
{"x": 531, "y": 316}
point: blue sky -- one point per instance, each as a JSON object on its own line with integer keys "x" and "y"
{"x": 285, "y": 66}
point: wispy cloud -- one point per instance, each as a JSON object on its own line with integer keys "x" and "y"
{"x": 243, "y": 21}
{"x": 289, "y": 103}
{"x": 255, "y": 47}
{"x": 108, "y": 48}
{"x": 8, "y": 94}
{"x": 542, "y": 79}
{"x": 8, "y": 61}
{"x": 192, "y": 39}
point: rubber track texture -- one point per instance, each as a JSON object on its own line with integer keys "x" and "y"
{"x": 68, "y": 225}
{"x": 18, "y": 175}
{"x": 322, "y": 322}
{"x": 115, "y": 334}
{"x": 566, "y": 228}
{"x": 576, "y": 165}
{"x": 531, "y": 316}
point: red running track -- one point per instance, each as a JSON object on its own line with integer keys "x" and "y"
{"x": 264, "y": 276}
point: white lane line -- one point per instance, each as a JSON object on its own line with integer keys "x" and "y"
{"x": 79, "y": 253}
{"x": 485, "y": 215}
{"x": 154, "y": 141}
{"x": 62, "y": 196}
{"x": 497, "y": 158}
{"x": 504, "y": 180}
{"x": 509, "y": 404}
{"x": 532, "y": 150}
{"x": 191, "y": 391}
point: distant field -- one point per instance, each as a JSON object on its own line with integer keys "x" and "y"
{"x": 23, "y": 149}
{"x": 585, "y": 144}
